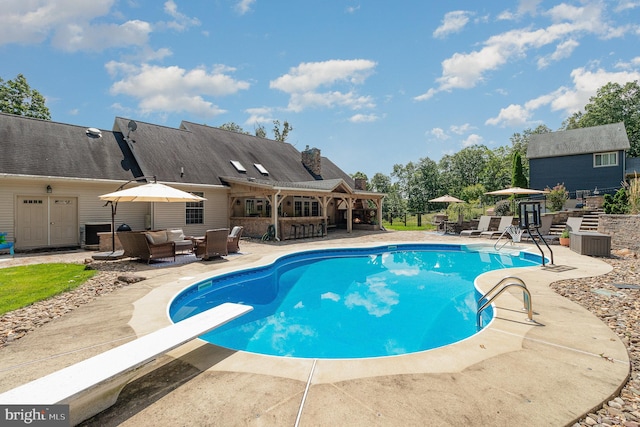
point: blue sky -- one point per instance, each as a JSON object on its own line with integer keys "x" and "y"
{"x": 370, "y": 83}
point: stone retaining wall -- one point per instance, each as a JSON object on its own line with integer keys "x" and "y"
{"x": 623, "y": 229}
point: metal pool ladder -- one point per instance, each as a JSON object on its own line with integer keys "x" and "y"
{"x": 506, "y": 283}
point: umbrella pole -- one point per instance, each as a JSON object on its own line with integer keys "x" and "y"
{"x": 113, "y": 227}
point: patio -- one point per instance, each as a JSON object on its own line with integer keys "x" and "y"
{"x": 513, "y": 373}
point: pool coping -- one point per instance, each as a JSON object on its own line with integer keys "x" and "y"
{"x": 549, "y": 373}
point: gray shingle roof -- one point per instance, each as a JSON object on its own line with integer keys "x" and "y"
{"x": 191, "y": 154}
{"x": 45, "y": 148}
{"x": 594, "y": 139}
{"x": 205, "y": 153}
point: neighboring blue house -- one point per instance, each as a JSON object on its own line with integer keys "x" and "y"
{"x": 583, "y": 159}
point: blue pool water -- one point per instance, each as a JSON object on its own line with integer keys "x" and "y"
{"x": 351, "y": 303}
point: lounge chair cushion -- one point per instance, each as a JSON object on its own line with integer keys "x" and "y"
{"x": 156, "y": 237}
{"x": 175, "y": 235}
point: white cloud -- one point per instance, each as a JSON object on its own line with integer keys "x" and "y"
{"x": 74, "y": 38}
{"x": 363, "y": 118}
{"x": 453, "y": 22}
{"x": 34, "y": 21}
{"x": 440, "y": 134}
{"x": 586, "y": 84}
{"x": 568, "y": 100}
{"x": 569, "y": 23}
{"x": 472, "y": 139}
{"x": 563, "y": 50}
{"x": 513, "y": 115}
{"x": 259, "y": 115}
{"x": 302, "y": 84}
{"x": 244, "y": 6}
{"x": 626, "y": 5}
{"x": 462, "y": 129}
{"x": 181, "y": 21}
{"x": 173, "y": 89}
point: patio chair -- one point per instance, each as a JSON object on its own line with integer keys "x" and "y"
{"x": 233, "y": 240}
{"x": 574, "y": 223}
{"x": 483, "y": 225}
{"x": 505, "y": 221}
{"x": 138, "y": 245}
{"x": 213, "y": 245}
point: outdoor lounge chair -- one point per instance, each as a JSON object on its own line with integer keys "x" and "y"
{"x": 505, "y": 221}
{"x": 483, "y": 225}
{"x": 233, "y": 240}
{"x": 213, "y": 245}
{"x": 137, "y": 245}
{"x": 574, "y": 223}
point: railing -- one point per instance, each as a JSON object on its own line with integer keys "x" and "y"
{"x": 511, "y": 281}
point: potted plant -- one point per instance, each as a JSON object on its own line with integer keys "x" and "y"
{"x": 564, "y": 237}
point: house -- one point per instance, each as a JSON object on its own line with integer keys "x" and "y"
{"x": 585, "y": 159}
{"x": 51, "y": 175}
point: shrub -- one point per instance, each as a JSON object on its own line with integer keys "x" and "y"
{"x": 616, "y": 204}
{"x": 557, "y": 196}
{"x": 503, "y": 208}
{"x": 634, "y": 196}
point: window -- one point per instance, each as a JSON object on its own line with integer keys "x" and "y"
{"x": 236, "y": 164}
{"x": 195, "y": 210}
{"x": 261, "y": 169}
{"x": 605, "y": 159}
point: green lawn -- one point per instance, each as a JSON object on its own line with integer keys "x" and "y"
{"x": 24, "y": 285}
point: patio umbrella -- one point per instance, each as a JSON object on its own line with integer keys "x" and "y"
{"x": 152, "y": 192}
{"x": 449, "y": 199}
{"x": 515, "y": 190}
{"x": 446, "y": 199}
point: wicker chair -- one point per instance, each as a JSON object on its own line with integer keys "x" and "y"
{"x": 136, "y": 245}
{"x": 214, "y": 244}
{"x": 233, "y": 240}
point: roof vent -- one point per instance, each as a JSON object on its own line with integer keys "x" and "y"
{"x": 94, "y": 133}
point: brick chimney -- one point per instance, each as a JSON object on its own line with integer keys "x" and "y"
{"x": 361, "y": 184}
{"x": 312, "y": 161}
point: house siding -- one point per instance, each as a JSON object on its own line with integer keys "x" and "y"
{"x": 172, "y": 215}
{"x": 576, "y": 172}
{"x": 93, "y": 210}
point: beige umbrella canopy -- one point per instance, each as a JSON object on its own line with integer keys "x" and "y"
{"x": 152, "y": 192}
{"x": 515, "y": 190}
{"x": 446, "y": 199}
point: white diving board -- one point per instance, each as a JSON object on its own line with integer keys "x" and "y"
{"x": 91, "y": 386}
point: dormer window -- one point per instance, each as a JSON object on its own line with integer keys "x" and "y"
{"x": 261, "y": 169}
{"x": 236, "y": 164}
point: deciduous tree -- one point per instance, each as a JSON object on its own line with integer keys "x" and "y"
{"x": 17, "y": 97}
{"x": 613, "y": 103}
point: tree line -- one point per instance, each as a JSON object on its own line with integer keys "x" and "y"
{"x": 476, "y": 170}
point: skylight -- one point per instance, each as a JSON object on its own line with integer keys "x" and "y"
{"x": 236, "y": 164}
{"x": 261, "y": 169}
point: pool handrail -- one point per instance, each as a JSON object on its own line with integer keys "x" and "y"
{"x": 526, "y": 296}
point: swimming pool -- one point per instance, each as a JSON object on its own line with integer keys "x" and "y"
{"x": 352, "y": 303}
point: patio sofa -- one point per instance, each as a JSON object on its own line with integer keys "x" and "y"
{"x": 137, "y": 245}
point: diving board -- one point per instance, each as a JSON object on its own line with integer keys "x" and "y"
{"x": 91, "y": 386}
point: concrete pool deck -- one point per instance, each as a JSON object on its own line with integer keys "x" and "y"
{"x": 550, "y": 372}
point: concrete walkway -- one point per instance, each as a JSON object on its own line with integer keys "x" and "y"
{"x": 514, "y": 372}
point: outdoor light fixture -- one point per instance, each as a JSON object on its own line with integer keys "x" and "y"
{"x": 49, "y": 189}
